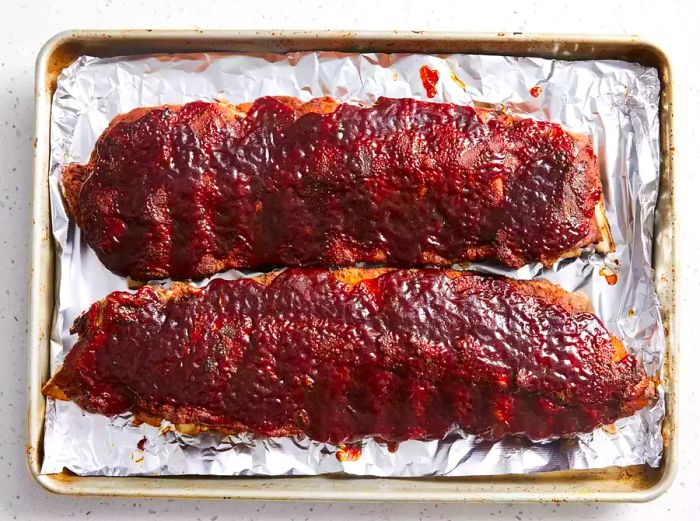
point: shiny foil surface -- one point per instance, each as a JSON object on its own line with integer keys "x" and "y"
{"x": 614, "y": 102}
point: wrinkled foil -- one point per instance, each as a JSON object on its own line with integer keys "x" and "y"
{"x": 614, "y": 102}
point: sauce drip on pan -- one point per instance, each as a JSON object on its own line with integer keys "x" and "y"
{"x": 430, "y": 78}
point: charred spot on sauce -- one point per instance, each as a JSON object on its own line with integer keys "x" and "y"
{"x": 141, "y": 444}
{"x": 430, "y": 78}
{"x": 210, "y": 364}
{"x": 536, "y": 91}
{"x": 348, "y": 453}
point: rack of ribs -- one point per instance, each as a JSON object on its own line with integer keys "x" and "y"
{"x": 339, "y": 355}
{"x": 189, "y": 190}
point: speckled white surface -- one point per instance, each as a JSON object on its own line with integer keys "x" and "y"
{"x": 26, "y": 25}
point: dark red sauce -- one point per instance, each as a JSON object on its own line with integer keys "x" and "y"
{"x": 430, "y": 78}
{"x": 186, "y": 192}
{"x": 403, "y": 356}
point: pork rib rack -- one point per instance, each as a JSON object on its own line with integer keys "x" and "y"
{"x": 340, "y": 355}
{"x": 186, "y": 191}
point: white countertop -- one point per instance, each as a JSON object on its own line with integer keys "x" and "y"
{"x": 26, "y": 25}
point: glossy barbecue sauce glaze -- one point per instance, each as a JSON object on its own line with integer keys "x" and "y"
{"x": 190, "y": 191}
{"x": 403, "y": 356}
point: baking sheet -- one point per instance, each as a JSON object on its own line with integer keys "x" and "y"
{"x": 615, "y": 102}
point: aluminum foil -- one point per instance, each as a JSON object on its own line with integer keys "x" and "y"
{"x": 614, "y": 102}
